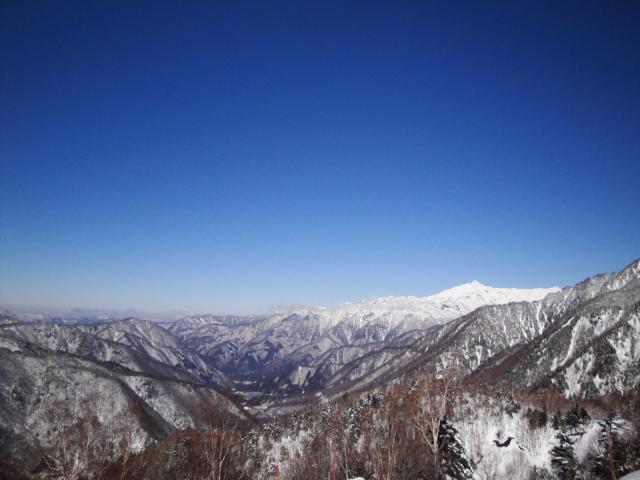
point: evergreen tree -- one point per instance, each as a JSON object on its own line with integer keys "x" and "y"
{"x": 453, "y": 457}
{"x": 511, "y": 405}
{"x": 576, "y": 418}
{"x": 563, "y": 457}
{"x": 537, "y": 418}
{"x": 556, "y": 421}
{"x": 614, "y": 458}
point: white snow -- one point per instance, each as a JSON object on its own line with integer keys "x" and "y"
{"x": 632, "y": 476}
{"x": 437, "y": 308}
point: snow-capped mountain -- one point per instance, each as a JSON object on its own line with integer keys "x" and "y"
{"x": 279, "y": 352}
{"x": 466, "y": 298}
{"x": 158, "y": 344}
{"x": 591, "y": 349}
{"x": 133, "y": 344}
{"x": 583, "y": 340}
{"x": 129, "y": 380}
{"x": 440, "y": 307}
{"x": 7, "y": 318}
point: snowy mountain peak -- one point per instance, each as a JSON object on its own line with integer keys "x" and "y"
{"x": 469, "y": 296}
{"x": 421, "y": 311}
{"x": 518, "y": 294}
{"x": 629, "y": 274}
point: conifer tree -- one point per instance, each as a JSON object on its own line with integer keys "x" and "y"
{"x": 563, "y": 458}
{"x": 613, "y": 459}
{"x": 576, "y": 418}
{"x": 453, "y": 457}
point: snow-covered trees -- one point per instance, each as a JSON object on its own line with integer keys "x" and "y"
{"x": 571, "y": 426}
{"x": 80, "y": 446}
{"x": 431, "y": 401}
{"x": 563, "y": 457}
{"x": 219, "y": 439}
{"x": 385, "y": 436}
{"x": 612, "y": 459}
{"x": 454, "y": 461}
{"x": 412, "y": 429}
{"x": 576, "y": 418}
{"x": 376, "y": 436}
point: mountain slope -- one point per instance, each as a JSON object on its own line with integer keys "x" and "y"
{"x": 159, "y": 344}
{"x": 594, "y": 348}
{"x": 569, "y": 339}
{"x": 75, "y": 340}
{"x": 51, "y": 398}
{"x": 291, "y": 351}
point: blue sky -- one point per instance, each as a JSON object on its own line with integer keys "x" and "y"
{"x": 234, "y": 156}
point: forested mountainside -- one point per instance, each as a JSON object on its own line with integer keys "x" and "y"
{"x": 291, "y": 352}
{"x": 350, "y": 391}
{"x": 60, "y": 381}
{"x": 588, "y": 332}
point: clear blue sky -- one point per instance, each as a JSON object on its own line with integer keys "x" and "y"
{"x": 232, "y": 156}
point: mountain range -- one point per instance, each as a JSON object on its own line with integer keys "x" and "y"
{"x": 289, "y": 352}
{"x": 582, "y": 340}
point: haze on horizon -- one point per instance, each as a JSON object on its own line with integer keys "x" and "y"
{"x": 229, "y": 158}
{"x": 164, "y": 315}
